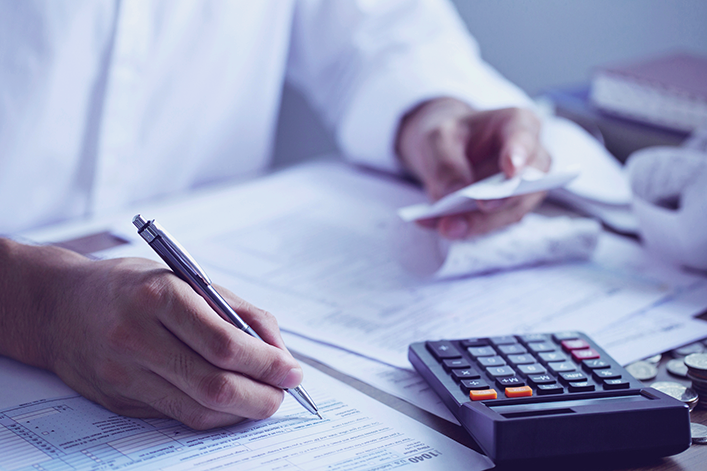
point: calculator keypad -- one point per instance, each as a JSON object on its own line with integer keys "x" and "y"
{"x": 527, "y": 365}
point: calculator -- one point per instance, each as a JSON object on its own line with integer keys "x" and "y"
{"x": 550, "y": 397}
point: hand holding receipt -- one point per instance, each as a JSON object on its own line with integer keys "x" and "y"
{"x": 185, "y": 267}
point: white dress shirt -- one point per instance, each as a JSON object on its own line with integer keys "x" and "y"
{"x": 110, "y": 102}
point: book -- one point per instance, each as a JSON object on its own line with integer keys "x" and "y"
{"x": 668, "y": 91}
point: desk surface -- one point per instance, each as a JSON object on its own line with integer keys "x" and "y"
{"x": 694, "y": 458}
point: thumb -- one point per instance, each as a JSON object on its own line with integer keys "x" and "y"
{"x": 517, "y": 151}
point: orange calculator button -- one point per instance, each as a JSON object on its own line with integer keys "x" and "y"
{"x": 520, "y": 391}
{"x": 483, "y": 394}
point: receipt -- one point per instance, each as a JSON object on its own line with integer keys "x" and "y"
{"x": 534, "y": 240}
{"x": 669, "y": 186}
{"x": 530, "y": 180}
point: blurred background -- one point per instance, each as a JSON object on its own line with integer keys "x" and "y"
{"x": 540, "y": 45}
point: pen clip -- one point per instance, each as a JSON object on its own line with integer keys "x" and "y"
{"x": 151, "y": 230}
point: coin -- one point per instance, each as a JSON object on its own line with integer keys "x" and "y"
{"x": 677, "y": 367}
{"x": 642, "y": 370}
{"x": 697, "y": 361}
{"x": 678, "y": 391}
{"x": 686, "y": 350}
{"x": 655, "y": 359}
{"x": 698, "y": 432}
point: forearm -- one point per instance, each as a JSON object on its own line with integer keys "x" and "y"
{"x": 34, "y": 287}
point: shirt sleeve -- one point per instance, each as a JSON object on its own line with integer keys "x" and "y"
{"x": 364, "y": 63}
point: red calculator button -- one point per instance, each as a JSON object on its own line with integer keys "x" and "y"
{"x": 483, "y": 394}
{"x": 586, "y": 354}
{"x": 520, "y": 391}
{"x": 570, "y": 345}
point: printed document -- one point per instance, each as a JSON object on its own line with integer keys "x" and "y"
{"x": 357, "y": 432}
{"x": 320, "y": 247}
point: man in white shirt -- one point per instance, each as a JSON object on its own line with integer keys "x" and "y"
{"x": 108, "y": 103}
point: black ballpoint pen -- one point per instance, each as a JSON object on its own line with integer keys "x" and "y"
{"x": 186, "y": 268}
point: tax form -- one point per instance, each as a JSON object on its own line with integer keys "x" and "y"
{"x": 71, "y": 432}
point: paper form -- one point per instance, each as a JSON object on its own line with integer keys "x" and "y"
{"x": 403, "y": 383}
{"x": 321, "y": 255}
{"x": 357, "y": 433}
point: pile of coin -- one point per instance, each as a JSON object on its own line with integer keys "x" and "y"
{"x": 678, "y": 391}
{"x": 697, "y": 373}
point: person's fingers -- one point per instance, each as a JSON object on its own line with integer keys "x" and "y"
{"x": 519, "y": 134}
{"x": 186, "y": 315}
{"x": 432, "y": 143}
{"x": 146, "y": 394}
{"x": 448, "y": 168}
{"x": 212, "y": 387}
{"x": 479, "y": 223}
{"x": 260, "y": 320}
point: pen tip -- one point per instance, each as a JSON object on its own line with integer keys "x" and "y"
{"x": 320, "y": 416}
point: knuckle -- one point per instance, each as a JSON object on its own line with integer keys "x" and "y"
{"x": 121, "y": 338}
{"x": 268, "y": 404}
{"x": 217, "y": 391}
{"x": 223, "y": 346}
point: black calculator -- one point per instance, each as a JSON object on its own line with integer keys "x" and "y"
{"x": 549, "y": 397}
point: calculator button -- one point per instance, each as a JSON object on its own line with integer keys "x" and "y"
{"x": 443, "y": 349}
{"x": 572, "y": 376}
{"x": 540, "y": 347}
{"x": 527, "y": 338}
{"x": 449, "y": 365}
{"x": 552, "y": 356}
{"x": 549, "y": 389}
{"x": 586, "y": 354}
{"x": 491, "y": 361}
{"x": 569, "y": 345}
{"x": 497, "y": 371}
{"x": 513, "y": 349}
{"x": 509, "y": 381}
{"x": 505, "y": 340}
{"x": 616, "y": 384}
{"x": 466, "y": 373}
{"x": 534, "y": 369}
{"x": 466, "y": 343}
{"x": 606, "y": 374}
{"x": 477, "y": 352}
{"x": 520, "y": 391}
{"x": 560, "y": 336}
{"x": 473, "y": 384}
{"x": 581, "y": 386}
{"x": 590, "y": 365}
{"x": 483, "y": 394}
{"x": 561, "y": 366}
{"x": 541, "y": 379}
{"x": 521, "y": 359}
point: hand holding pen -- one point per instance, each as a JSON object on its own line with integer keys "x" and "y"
{"x": 184, "y": 266}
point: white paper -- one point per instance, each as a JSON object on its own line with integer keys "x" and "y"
{"x": 404, "y": 383}
{"x": 323, "y": 261}
{"x": 530, "y": 180}
{"x": 601, "y": 179}
{"x": 357, "y": 433}
{"x": 670, "y": 200}
{"x": 535, "y": 240}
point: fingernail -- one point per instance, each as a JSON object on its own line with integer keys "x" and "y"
{"x": 292, "y": 379}
{"x": 456, "y": 228}
{"x": 519, "y": 157}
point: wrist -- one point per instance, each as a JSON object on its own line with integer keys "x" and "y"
{"x": 36, "y": 286}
